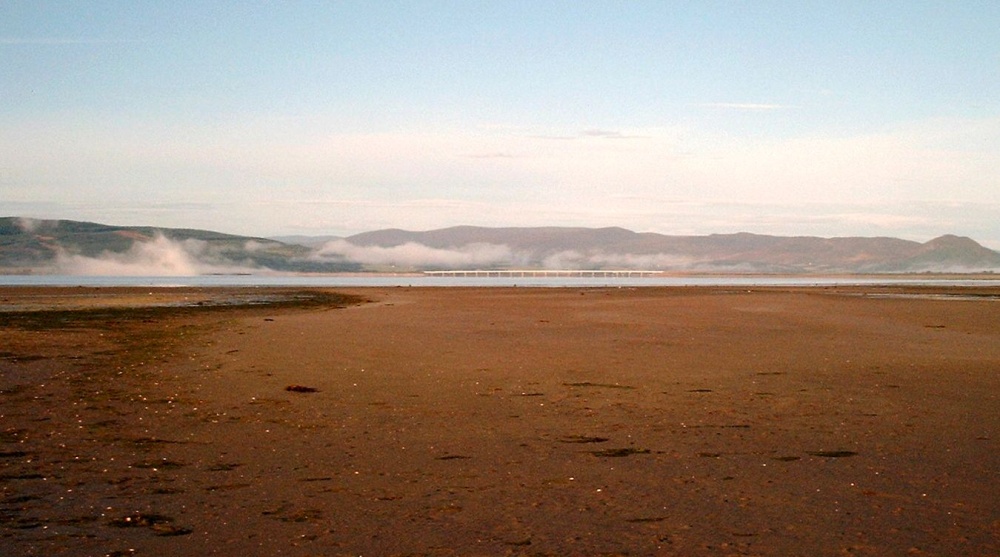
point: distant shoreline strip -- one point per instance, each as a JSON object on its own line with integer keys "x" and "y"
{"x": 544, "y": 273}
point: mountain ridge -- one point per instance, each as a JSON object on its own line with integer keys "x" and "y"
{"x": 754, "y": 252}
{"x": 35, "y": 245}
{"x": 65, "y": 246}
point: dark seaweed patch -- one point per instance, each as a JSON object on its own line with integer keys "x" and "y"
{"x": 20, "y": 358}
{"x": 832, "y": 454}
{"x": 301, "y": 389}
{"x": 77, "y": 520}
{"x": 150, "y": 441}
{"x": 19, "y": 499}
{"x": 305, "y": 515}
{"x": 20, "y": 523}
{"x": 12, "y": 435}
{"x": 160, "y": 525}
{"x": 167, "y": 491}
{"x": 31, "y": 476}
{"x": 598, "y": 385}
{"x": 618, "y": 453}
{"x": 163, "y": 464}
{"x": 223, "y": 467}
{"x": 226, "y": 487}
{"x": 581, "y": 439}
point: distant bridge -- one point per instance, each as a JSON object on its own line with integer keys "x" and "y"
{"x": 506, "y": 273}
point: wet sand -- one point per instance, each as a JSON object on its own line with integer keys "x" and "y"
{"x": 659, "y": 421}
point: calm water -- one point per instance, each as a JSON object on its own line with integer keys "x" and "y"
{"x": 410, "y": 280}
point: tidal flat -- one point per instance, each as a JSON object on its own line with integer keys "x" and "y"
{"x": 500, "y": 421}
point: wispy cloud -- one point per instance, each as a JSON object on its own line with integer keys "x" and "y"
{"x": 607, "y": 134}
{"x": 746, "y": 106}
{"x": 498, "y": 155}
{"x": 589, "y": 133}
{"x": 58, "y": 41}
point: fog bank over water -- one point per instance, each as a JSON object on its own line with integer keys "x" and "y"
{"x": 163, "y": 256}
{"x": 415, "y": 255}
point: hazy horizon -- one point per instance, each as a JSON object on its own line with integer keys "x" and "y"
{"x": 682, "y": 118}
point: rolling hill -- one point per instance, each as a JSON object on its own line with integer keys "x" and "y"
{"x": 29, "y": 245}
{"x": 610, "y": 247}
{"x": 73, "y": 247}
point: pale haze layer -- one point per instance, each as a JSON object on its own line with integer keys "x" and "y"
{"x": 789, "y": 118}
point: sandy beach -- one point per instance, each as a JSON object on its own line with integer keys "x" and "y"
{"x": 500, "y": 421}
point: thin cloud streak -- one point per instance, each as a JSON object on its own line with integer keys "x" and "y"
{"x": 57, "y": 41}
{"x": 608, "y": 134}
{"x": 491, "y": 156}
{"x": 746, "y": 106}
{"x": 589, "y": 133}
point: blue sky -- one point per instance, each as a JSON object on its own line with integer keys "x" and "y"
{"x": 792, "y": 118}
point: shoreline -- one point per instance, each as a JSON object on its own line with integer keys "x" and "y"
{"x": 437, "y": 421}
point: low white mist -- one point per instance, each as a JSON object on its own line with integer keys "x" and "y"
{"x": 160, "y": 256}
{"x": 416, "y": 255}
{"x": 572, "y": 259}
{"x": 254, "y": 246}
{"x": 29, "y": 224}
{"x": 483, "y": 255}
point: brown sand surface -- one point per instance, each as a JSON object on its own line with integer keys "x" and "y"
{"x": 502, "y": 421}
